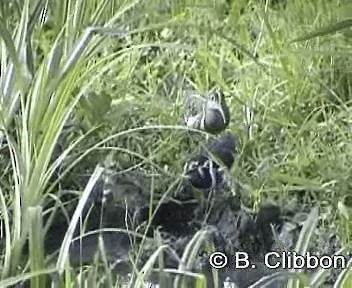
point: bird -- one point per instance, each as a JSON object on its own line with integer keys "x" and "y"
{"x": 207, "y": 168}
{"x": 204, "y": 173}
{"x": 268, "y": 216}
{"x": 210, "y": 113}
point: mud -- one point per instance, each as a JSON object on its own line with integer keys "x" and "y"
{"x": 205, "y": 201}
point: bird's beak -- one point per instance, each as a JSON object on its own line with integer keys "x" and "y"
{"x": 223, "y": 115}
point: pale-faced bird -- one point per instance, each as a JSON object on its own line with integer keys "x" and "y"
{"x": 210, "y": 113}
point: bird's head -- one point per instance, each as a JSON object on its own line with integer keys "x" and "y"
{"x": 216, "y": 113}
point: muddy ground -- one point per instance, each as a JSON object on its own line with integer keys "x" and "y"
{"x": 206, "y": 200}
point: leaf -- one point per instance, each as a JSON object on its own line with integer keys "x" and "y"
{"x": 304, "y": 238}
{"x": 325, "y": 30}
{"x": 269, "y": 281}
{"x": 96, "y": 106}
{"x": 64, "y": 250}
{"x": 190, "y": 253}
{"x": 345, "y": 207}
{"x": 321, "y": 274}
{"x": 35, "y": 240}
{"x": 121, "y": 110}
{"x": 344, "y": 280}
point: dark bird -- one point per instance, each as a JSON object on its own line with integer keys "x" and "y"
{"x": 268, "y": 216}
{"x": 204, "y": 173}
{"x": 210, "y": 114}
{"x": 207, "y": 169}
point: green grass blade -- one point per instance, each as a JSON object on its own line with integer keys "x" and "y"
{"x": 328, "y": 30}
{"x": 318, "y": 278}
{"x": 12, "y": 281}
{"x": 304, "y": 238}
{"x": 268, "y": 281}
{"x": 6, "y": 222}
{"x": 63, "y": 255}
{"x": 189, "y": 255}
{"x": 36, "y": 243}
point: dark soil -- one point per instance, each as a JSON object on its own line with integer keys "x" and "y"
{"x": 206, "y": 201}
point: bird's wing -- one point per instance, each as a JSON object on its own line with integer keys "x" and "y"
{"x": 193, "y": 104}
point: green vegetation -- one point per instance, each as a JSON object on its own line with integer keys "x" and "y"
{"x": 110, "y": 75}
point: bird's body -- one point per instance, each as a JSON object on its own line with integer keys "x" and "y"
{"x": 216, "y": 113}
{"x": 204, "y": 173}
{"x": 207, "y": 169}
{"x": 210, "y": 113}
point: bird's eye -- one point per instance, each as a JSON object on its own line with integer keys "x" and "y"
{"x": 215, "y": 96}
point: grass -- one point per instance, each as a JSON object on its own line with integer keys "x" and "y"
{"x": 84, "y": 82}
